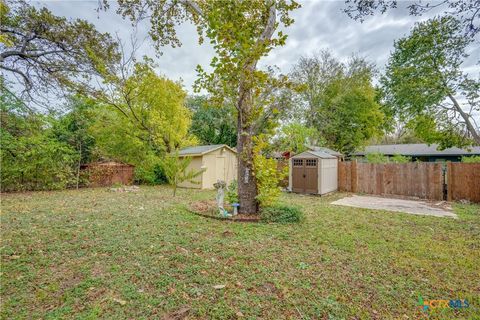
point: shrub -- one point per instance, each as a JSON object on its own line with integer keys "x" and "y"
{"x": 376, "y": 157}
{"x": 160, "y": 176}
{"x": 36, "y": 162}
{"x": 232, "y": 192}
{"x": 267, "y": 174}
{"x": 398, "y": 158}
{"x": 281, "y": 214}
{"x": 471, "y": 159}
{"x": 31, "y": 155}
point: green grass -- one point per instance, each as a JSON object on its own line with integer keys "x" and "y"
{"x": 93, "y": 253}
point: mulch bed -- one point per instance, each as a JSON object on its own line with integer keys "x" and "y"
{"x": 209, "y": 209}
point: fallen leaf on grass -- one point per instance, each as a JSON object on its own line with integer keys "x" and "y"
{"x": 177, "y": 315}
{"x": 219, "y": 286}
{"x": 120, "y": 301}
{"x": 228, "y": 233}
{"x": 183, "y": 250}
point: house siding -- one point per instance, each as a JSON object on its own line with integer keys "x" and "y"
{"x": 195, "y": 165}
{"x": 220, "y": 164}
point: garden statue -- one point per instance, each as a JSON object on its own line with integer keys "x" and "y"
{"x": 220, "y": 185}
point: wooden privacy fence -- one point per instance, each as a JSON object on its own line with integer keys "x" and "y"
{"x": 424, "y": 180}
{"x": 463, "y": 181}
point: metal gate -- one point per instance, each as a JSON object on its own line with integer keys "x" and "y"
{"x": 305, "y": 175}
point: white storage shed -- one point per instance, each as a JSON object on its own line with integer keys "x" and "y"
{"x": 313, "y": 172}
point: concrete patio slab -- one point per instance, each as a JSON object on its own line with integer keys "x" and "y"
{"x": 396, "y": 205}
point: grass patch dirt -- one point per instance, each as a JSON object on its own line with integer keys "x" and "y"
{"x": 94, "y": 253}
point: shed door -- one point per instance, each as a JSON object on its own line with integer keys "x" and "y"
{"x": 298, "y": 181}
{"x": 305, "y": 175}
{"x": 311, "y": 176}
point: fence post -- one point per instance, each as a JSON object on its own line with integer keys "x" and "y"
{"x": 449, "y": 181}
{"x": 354, "y": 176}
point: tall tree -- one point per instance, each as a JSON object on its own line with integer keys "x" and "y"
{"x": 117, "y": 138}
{"x": 426, "y": 86}
{"x": 313, "y": 74}
{"x": 142, "y": 117}
{"x": 43, "y": 53}
{"x": 72, "y": 129}
{"x": 153, "y": 105}
{"x": 241, "y": 33}
{"x": 339, "y": 100}
{"x": 296, "y": 137}
{"x": 467, "y": 12}
{"x": 212, "y": 124}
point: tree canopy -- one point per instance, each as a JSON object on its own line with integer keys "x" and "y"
{"x": 465, "y": 11}
{"x": 212, "y": 124}
{"x": 41, "y": 52}
{"x": 339, "y": 100}
{"x": 296, "y": 136}
{"x": 425, "y": 85}
{"x": 143, "y": 119}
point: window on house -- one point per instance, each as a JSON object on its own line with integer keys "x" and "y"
{"x": 311, "y": 162}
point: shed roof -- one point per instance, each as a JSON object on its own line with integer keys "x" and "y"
{"x": 314, "y": 154}
{"x": 201, "y": 150}
{"x": 326, "y": 150}
{"x": 418, "y": 149}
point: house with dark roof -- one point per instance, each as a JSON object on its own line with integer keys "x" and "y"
{"x": 218, "y": 161}
{"x": 421, "y": 152}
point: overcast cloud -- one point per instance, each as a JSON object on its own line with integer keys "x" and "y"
{"x": 318, "y": 25}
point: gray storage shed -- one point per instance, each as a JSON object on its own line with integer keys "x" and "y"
{"x": 313, "y": 172}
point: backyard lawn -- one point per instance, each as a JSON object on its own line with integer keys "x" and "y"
{"x": 94, "y": 253}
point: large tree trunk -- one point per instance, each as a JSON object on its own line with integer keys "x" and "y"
{"x": 247, "y": 183}
{"x": 471, "y": 129}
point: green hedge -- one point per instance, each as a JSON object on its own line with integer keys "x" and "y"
{"x": 281, "y": 214}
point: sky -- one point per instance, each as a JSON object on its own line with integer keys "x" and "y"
{"x": 318, "y": 25}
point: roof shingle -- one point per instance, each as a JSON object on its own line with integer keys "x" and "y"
{"x": 418, "y": 149}
{"x": 199, "y": 150}
{"x": 314, "y": 154}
